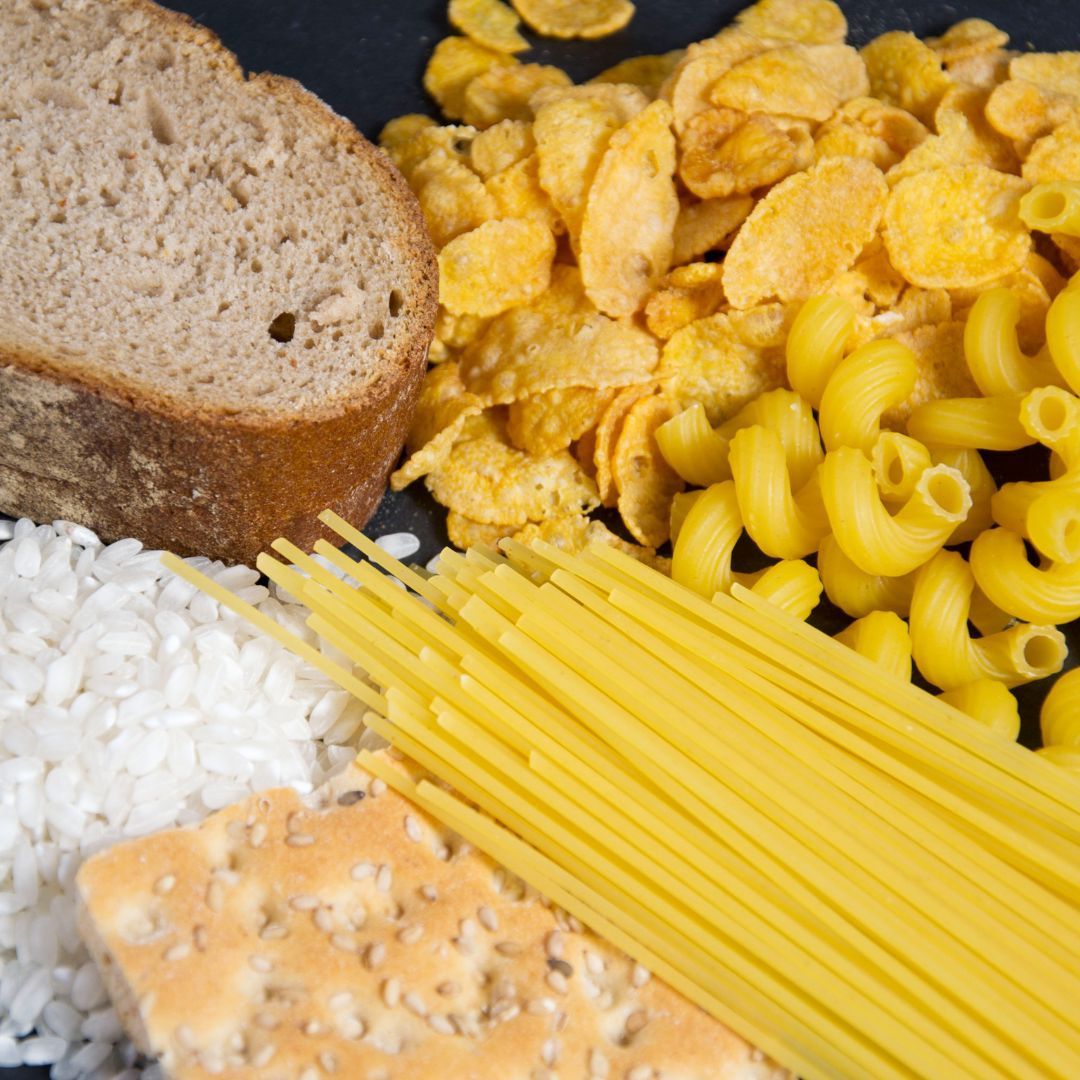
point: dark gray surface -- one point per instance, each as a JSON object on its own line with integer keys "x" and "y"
{"x": 366, "y": 58}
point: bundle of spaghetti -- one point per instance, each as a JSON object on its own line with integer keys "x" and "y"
{"x": 848, "y": 871}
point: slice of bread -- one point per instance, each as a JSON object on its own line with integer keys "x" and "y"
{"x": 350, "y": 935}
{"x": 215, "y": 296}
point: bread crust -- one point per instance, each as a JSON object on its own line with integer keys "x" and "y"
{"x": 182, "y": 476}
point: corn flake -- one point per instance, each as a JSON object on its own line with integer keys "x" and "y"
{"x": 648, "y": 73}
{"x": 429, "y": 140}
{"x": 457, "y": 331}
{"x": 575, "y": 18}
{"x": 464, "y": 533}
{"x": 812, "y": 22}
{"x": 942, "y": 369}
{"x": 906, "y": 72}
{"x": 764, "y": 327}
{"x": 708, "y": 361}
{"x": 968, "y": 38}
{"x": 1024, "y": 111}
{"x": 504, "y": 93}
{"x": 646, "y": 483}
{"x": 559, "y": 340}
{"x": 495, "y": 267}
{"x": 867, "y": 128}
{"x": 984, "y": 70}
{"x": 549, "y": 422}
{"x": 630, "y": 212}
{"x": 805, "y": 81}
{"x": 487, "y": 480}
{"x": 607, "y": 435}
{"x": 956, "y": 226}
{"x": 455, "y": 62}
{"x": 442, "y": 411}
{"x": 518, "y": 194}
{"x": 402, "y": 129}
{"x": 500, "y": 146}
{"x": 1055, "y": 156}
{"x": 806, "y": 230}
{"x": 489, "y": 23}
{"x": 690, "y": 84}
{"x": 1057, "y": 72}
{"x": 684, "y": 295}
{"x": 708, "y": 226}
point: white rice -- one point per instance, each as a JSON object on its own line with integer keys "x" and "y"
{"x": 129, "y": 702}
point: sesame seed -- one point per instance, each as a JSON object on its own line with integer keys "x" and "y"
{"x": 260, "y": 963}
{"x": 592, "y": 990}
{"x": 211, "y": 1062}
{"x": 304, "y": 902}
{"x": 165, "y": 884}
{"x": 264, "y": 1055}
{"x": 554, "y": 944}
{"x": 487, "y": 917}
{"x": 442, "y": 852}
{"x": 341, "y": 1000}
{"x": 215, "y": 896}
{"x": 636, "y": 1021}
{"x": 323, "y": 920}
{"x": 226, "y": 876}
{"x": 198, "y": 936}
{"x": 498, "y": 879}
{"x": 298, "y": 839}
{"x": 440, "y": 1024}
{"x": 557, "y": 981}
{"x": 375, "y": 955}
{"x": 448, "y": 988}
{"x": 574, "y": 923}
{"x": 505, "y": 1011}
{"x": 351, "y": 1027}
{"x": 410, "y": 935}
{"x": 640, "y": 977}
{"x": 294, "y": 821}
{"x": 560, "y": 965}
{"x": 391, "y": 992}
{"x": 413, "y": 830}
{"x": 328, "y": 1061}
{"x": 467, "y": 928}
{"x": 267, "y": 1021}
{"x": 640, "y": 1072}
{"x": 415, "y": 1003}
{"x": 544, "y": 1006}
{"x": 429, "y": 893}
{"x": 344, "y": 943}
{"x": 549, "y": 1052}
{"x": 235, "y": 1041}
{"x": 605, "y": 1000}
{"x": 378, "y": 787}
{"x": 508, "y": 948}
{"x": 177, "y": 952}
{"x": 309, "y": 1074}
{"x": 383, "y": 879}
{"x": 599, "y": 1065}
{"x": 257, "y": 836}
{"x": 274, "y": 932}
{"x": 313, "y": 1027}
{"x": 362, "y": 870}
{"x": 594, "y": 963}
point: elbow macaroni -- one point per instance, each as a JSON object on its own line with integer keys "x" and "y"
{"x": 792, "y": 585}
{"x": 693, "y": 448}
{"x": 1060, "y": 714}
{"x": 994, "y": 357}
{"x": 815, "y": 344}
{"x": 987, "y": 423}
{"x": 1053, "y": 207}
{"x": 881, "y": 636}
{"x": 990, "y": 702}
{"x": 970, "y": 465}
{"x": 898, "y": 462}
{"x": 1053, "y": 525}
{"x": 1063, "y": 334}
{"x": 856, "y": 592}
{"x": 701, "y": 558}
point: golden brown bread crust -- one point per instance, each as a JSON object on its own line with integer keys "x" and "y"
{"x": 199, "y": 482}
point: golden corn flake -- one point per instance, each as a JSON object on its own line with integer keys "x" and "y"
{"x": 546, "y": 423}
{"x": 1055, "y": 156}
{"x": 495, "y": 267}
{"x": 500, "y": 146}
{"x": 806, "y": 81}
{"x": 984, "y": 70}
{"x": 442, "y": 410}
{"x": 1024, "y": 111}
{"x": 585, "y": 451}
{"x": 806, "y": 230}
{"x": 868, "y": 128}
{"x": 708, "y": 226}
{"x": 956, "y": 226}
{"x": 452, "y": 197}
{"x": 455, "y": 62}
{"x": 906, "y": 72}
{"x": 624, "y": 100}
{"x": 871, "y": 283}
{"x": 686, "y": 294}
{"x": 518, "y": 194}
{"x": 970, "y": 37}
{"x": 503, "y": 93}
{"x": 558, "y": 340}
{"x": 646, "y": 483}
{"x": 942, "y": 369}
{"x": 607, "y": 435}
{"x": 489, "y": 23}
{"x": 402, "y": 129}
{"x": 690, "y": 84}
{"x": 575, "y": 18}
{"x": 489, "y": 481}
{"x": 448, "y": 141}
{"x": 764, "y": 327}
{"x": 648, "y": 73}
{"x": 708, "y": 361}
{"x": 457, "y": 331}
{"x": 813, "y": 22}
{"x": 464, "y": 533}
{"x": 630, "y": 212}
{"x": 1057, "y": 72}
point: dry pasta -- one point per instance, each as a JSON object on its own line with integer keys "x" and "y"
{"x": 815, "y": 344}
{"x": 701, "y": 556}
{"x": 1063, "y": 334}
{"x": 792, "y": 585}
{"x": 988, "y": 701}
{"x": 970, "y": 465}
{"x": 1053, "y": 525}
{"x": 1053, "y": 207}
{"x": 693, "y": 448}
{"x": 1059, "y": 717}
{"x": 986, "y": 423}
{"x": 854, "y": 591}
{"x": 898, "y": 461}
{"x": 881, "y": 636}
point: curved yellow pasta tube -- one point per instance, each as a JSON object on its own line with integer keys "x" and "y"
{"x": 693, "y": 448}
{"x": 881, "y": 636}
{"x": 792, "y": 585}
{"x": 990, "y": 702}
{"x": 783, "y": 525}
{"x": 701, "y": 558}
{"x": 875, "y": 377}
{"x": 970, "y": 465}
{"x": 1059, "y": 717}
{"x": 994, "y": 357}
{"x": 1053, "y": 207}
{"x": 1063, "y": 334}
{"x": 1053, "y": 525}
{"x": 985, "y": 423}
{"x": 815, "y": 344}
{"x": 1068, "y": 757}
{"x": 945, "y": 652}
{"x": 792, "y": 419}
{"x": 680, "y": 507}
{"x": 856, "y": 592}
{"x": 876, "y": 541}
{"x": 1001, "y": 568}
{"x": 898, "y": 461}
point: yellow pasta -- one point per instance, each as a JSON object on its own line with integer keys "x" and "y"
{"x": 1060, "y": 714}
{"x": 990, "y": 702}
{"x": 1053, "y": 525}
{"x": 944, "y": 650}
{"x": 881, "y": 636}
{"x": 1053, "y": 207}
{"x": 873, "y": 539}
{"x": 854, "y": 591}
{"x": 701, "y": 557}
{"x": 898, "y": 461}
{"x": 970, "y": 465}
{"x": 1063, "y": 334}
{"x": 693, "y": 448}
{"x": 994, "y": 357}
{"x": 1066, "y": 757}
{"x": 1040, "y": 595}
{"x": 815, "y": 344}
{"x": 988, "y": 423}
{"x": 680, "y": 507}
{"x": 874, "y": 378}
{"x": 782, "y": 524}
{"x": 792, "y": 585}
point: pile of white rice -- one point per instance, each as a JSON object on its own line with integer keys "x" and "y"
{"x": 129, "y": 702}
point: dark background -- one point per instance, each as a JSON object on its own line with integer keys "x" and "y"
{"x": 366, "y": 59}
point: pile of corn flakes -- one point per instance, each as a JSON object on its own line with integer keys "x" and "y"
{"x": 613, "y": 252}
